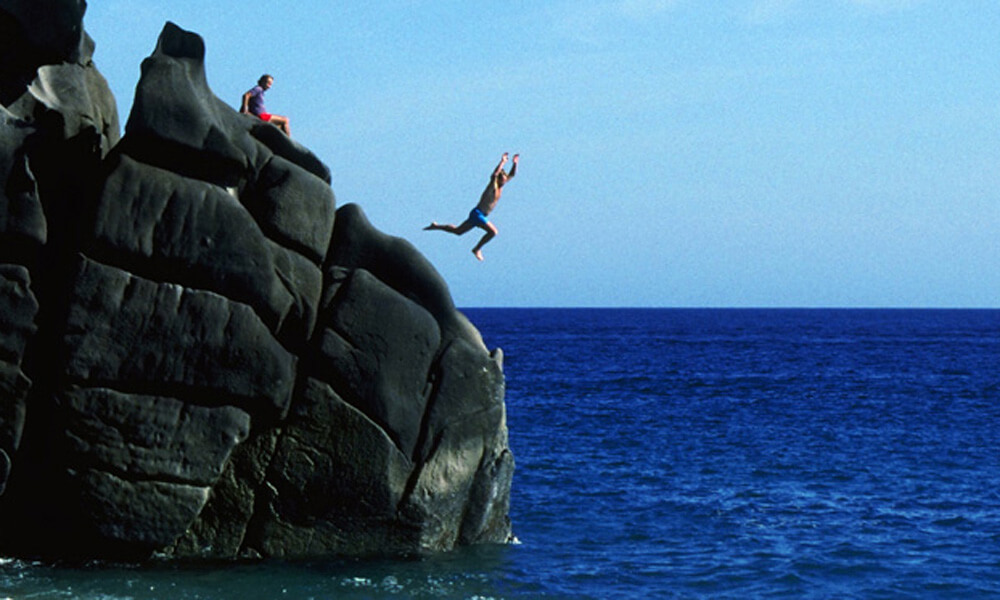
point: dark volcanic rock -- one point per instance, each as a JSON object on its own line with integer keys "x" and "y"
{"x": 200, "y": 356}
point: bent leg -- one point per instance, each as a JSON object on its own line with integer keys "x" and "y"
{"x": 491, "y": 232}
{"x": 457, "y": 230}
{"x": 282, "y": 123}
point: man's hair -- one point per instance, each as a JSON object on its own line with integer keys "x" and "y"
{"x": 263, "y": 78}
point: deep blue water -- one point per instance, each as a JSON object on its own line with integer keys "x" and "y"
{"x": 697, "y": 454}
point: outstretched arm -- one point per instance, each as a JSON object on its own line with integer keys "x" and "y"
{"x": 503, "y": 161}
{"x": 513, "y": 168}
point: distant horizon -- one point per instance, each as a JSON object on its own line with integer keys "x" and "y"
{"x": 757, "y": 308}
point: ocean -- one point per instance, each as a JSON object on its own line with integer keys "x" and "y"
{"x": 694, "y": 453}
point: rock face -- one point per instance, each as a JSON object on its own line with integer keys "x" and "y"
{"x": 200, "y": 356}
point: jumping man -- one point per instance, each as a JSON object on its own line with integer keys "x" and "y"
{"x": 479, "y": 216}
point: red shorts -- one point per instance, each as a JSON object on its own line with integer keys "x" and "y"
{"x": 265, "y": 116}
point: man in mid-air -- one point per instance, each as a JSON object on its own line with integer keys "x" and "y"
{"x": 479, "y": 216}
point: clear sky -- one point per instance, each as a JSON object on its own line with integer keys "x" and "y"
{"x": 675, "y": 153}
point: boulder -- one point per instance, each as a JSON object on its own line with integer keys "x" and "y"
{"x": 201, "y": 356}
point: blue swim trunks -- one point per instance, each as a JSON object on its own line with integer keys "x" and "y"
{"x": 478, "y": 217}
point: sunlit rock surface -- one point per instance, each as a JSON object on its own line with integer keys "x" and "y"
{"x": 200, "y": 355}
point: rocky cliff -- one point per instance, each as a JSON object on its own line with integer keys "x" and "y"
{"x": 200, "y": 354}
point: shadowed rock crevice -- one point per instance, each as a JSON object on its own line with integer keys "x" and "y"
{"x": 201, "y": 356}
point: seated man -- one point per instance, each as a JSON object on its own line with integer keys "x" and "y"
{"x": 253, "y": 104}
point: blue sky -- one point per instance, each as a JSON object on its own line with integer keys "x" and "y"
{"x": 837, "y": 153}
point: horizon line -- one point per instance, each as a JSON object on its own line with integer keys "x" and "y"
{"x": 650, "y": 307}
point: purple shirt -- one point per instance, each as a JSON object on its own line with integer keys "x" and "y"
{"x": 256, "y": 102}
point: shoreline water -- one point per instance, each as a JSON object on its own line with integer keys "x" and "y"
{"x": 697, "y": 453}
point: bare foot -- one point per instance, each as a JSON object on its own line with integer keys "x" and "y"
{"x": 433, "y": 225}
{"x": 478, "y": 254}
